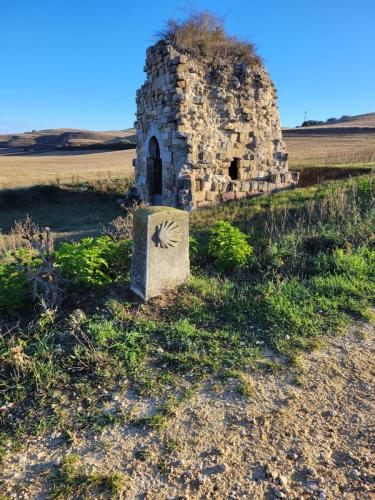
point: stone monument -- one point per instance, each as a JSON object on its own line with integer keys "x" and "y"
{"x": 207, "y": 133}
{"x": 160, "y": 257}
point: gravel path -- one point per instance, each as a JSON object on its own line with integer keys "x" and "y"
{"x": 301, "y": 433}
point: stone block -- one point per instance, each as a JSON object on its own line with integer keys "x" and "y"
{"x": 160, "y": 256}
{"x": 276, "y": 178}
{"x": 239, "y": 195}
{"x": 236, "y": 186}
{"x": 203, "y": 204}
{"x": 199, "y": 196}
{"x": 211, "y": 196}
{"x": 228, "y": 196}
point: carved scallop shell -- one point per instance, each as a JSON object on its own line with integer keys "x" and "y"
{"x": 168, "y": 234}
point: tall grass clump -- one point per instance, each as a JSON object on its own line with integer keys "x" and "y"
{"x": 202, "y": 35}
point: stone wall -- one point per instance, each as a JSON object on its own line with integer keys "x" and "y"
{"x": 218, "y": 130}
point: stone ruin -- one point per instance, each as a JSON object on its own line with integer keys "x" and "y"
{"x": 207, "y": 134}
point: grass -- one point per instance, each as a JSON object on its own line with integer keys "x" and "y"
{"x": 311, "y": 274}
{"x": 74, "y": 481}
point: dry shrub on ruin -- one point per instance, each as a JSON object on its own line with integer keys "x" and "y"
{"x": 202, "y": 35}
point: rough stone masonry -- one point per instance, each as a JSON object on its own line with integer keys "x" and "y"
{"x": 207, "y": 134}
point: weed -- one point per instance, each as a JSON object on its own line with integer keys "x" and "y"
{"x": 228, "y": 246}
{"x": 72, "y": 479}
{"x": 163, "y": 467}
{"x": 121, "y": 228}
{"x": 143, "y": 454}
{"x": 245, "y": 388}
{"x": 202, "y": 35}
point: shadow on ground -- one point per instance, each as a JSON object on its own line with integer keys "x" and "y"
{"x": 78, "y": 209}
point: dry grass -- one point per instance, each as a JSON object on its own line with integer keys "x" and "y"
{"x": 23, "y": 170}
{"x": 202, "y": 35}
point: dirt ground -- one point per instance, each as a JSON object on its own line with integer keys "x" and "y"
{"x": 302, "y": 433}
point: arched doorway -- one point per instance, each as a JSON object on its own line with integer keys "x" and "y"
{"x": 154, "y": 172}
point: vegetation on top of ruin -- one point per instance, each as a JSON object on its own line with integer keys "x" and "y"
{"x": 202, "y": 35}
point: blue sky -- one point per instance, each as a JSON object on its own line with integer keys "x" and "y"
{"x": 78, "y": 63}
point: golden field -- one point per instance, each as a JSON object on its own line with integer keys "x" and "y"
{"x": 30, "y": 169}
{"x": 348, "y": 142}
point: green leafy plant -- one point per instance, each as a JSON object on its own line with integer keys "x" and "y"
{"x": 15, "y": 290}
{"x": 228, "y": 246}
{"x": 193, "y": 247}
{"x": 84, "y": 261}
{"x": 94, "y": 261}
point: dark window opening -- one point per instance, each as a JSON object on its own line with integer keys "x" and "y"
{"x": 233, "y": 169}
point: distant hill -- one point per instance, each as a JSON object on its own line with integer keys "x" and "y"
{"x": 66, "y": 139}
{"x": 349, "y": 140}
{"x": 358, "y": 121}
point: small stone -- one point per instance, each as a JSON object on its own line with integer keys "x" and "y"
{"x": 353, "y": 474}
{"x": 271, "y": 473}
{"x": 178, "y": 463}
{"x": 311, "y": 485}
{"x": 311, "y": 471}
{"x": 78, "y": 315}
{"x": 278, "y": 493}
{"x": 215, "y": 469}
{"x": 283, "y": 480}
{"x": 259, "y": 474}
{"x": 328, "y": 414}
{"x": 187, "y": 475}
{"x": 322, "y": 495}
{"x": 201, "y": 479}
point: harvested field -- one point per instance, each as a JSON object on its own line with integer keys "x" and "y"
{"x": 348, "y": 142}
{"x": 30, "y": 169}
